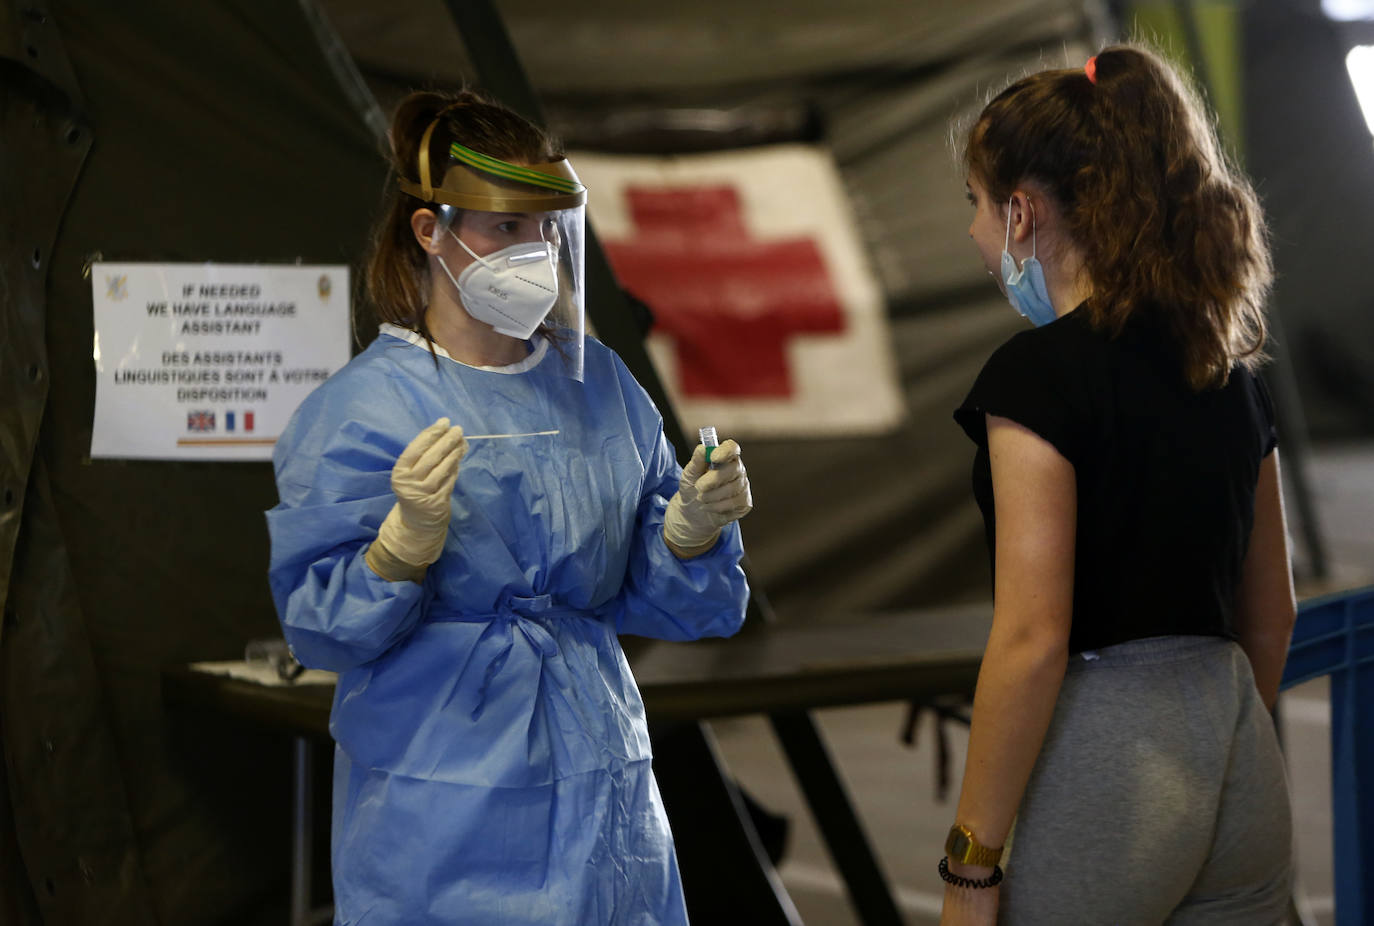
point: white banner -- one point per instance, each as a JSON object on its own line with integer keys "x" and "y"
{"x": 208, "y": 361}
{"x": 768, "y": 318}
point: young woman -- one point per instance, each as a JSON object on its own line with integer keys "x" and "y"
{"x": 471, "y": 511}
{"x": 1128, "y": 477}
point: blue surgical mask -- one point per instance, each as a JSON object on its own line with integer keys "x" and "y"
{"x": 1026, "y": 287}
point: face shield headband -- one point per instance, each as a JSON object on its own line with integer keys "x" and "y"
{"x": 473, "y": 180}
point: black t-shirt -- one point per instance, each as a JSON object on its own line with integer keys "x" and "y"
{"x": 1166, "y": 476}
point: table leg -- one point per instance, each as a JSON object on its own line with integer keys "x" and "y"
{"x": 302, "y": 812}
{"x": 839, "y": 824}
{"x": 726, "y": 874}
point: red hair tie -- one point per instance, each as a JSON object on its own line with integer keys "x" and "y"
{"x": 1091, "y": 70}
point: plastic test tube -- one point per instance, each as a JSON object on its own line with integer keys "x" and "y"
{"x": 710, "y": 442}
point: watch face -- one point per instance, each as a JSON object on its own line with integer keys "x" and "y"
{"x": 958, "y": 845}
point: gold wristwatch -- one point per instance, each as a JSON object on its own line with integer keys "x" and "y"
{"x": 962, "y": 847}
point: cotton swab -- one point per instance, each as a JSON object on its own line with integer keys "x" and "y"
{"x": 500, "y": 436}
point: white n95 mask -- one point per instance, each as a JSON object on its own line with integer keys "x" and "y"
{"x": 512, "y": 289}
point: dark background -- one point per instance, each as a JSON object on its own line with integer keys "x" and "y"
{"x": 217, "y": 130}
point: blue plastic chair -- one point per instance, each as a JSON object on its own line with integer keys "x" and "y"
{"x": 1334, "y": 635}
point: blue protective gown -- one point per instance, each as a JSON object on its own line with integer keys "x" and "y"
{"x": 493, "y": 762}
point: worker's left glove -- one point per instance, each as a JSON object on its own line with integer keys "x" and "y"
{"x": 708, "y": 498}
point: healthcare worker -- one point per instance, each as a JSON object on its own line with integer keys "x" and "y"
{"x": 471, "y": 510}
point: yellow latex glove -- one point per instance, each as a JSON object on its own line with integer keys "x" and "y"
{"x": 412, "y": 535}
{"x": 707, "y": 499}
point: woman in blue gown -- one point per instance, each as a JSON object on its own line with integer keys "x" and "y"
{"x": 470, "y": 512}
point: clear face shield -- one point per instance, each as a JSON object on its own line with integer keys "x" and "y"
{"x": 518, "y": 233}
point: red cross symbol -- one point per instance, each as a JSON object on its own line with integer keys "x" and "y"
{"x": 729, "y": 302}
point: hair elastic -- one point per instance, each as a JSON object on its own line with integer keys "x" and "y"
{"x": 1091, "y": 70}
{"x": 950, "y": 877}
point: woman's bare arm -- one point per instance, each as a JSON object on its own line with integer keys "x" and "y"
{"x": 1265, "y": 604}
{"x": 1035, "y": 491}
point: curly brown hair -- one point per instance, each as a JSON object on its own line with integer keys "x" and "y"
{"x": 1167, "y": 226}
{"x": 397, "y": 268}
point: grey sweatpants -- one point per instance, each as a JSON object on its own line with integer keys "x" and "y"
{"x": 1159, "y": 796}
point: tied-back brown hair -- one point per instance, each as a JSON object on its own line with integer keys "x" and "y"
{"x": 397, "y": 268}
{"x": 1166, "y": 226}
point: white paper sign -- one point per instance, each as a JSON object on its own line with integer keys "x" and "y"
{"x": 208, "y": 361}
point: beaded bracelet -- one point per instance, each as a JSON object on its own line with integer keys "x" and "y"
{"x": 950, "y": 877}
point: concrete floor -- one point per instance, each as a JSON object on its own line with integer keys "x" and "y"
{"x": 893, "y": 786}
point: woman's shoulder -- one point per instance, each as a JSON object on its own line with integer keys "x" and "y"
{"x": 368, "y": 390}
{"x": 600, "y": 363}
{"x": 1040, "y": 378}
{"x": 387, "y": 357}
{"x": 1249, "y": 384}
{"x": 1069, "y": 332}
{"x": 610, "y": 379}
{"x": 1064, "y": 347}
{"x": 597, "y": 355}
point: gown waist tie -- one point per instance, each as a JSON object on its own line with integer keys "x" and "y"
{"x": 515, "y": 612}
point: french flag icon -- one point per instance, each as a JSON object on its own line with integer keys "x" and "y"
{"x": 231, "y": 421}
